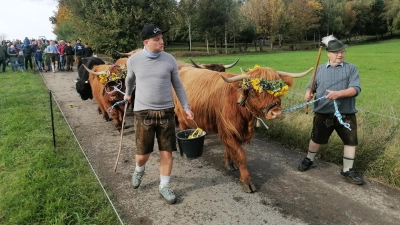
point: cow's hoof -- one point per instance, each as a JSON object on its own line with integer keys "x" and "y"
{"x": 230, "y": 166}
{"x": 248, "y": 187}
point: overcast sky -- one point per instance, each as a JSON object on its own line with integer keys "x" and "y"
{"x": 26, "y": 18}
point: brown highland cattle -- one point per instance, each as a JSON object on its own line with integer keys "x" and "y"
{"x": 223, "y": 107}
{"x": 105, "y": 81}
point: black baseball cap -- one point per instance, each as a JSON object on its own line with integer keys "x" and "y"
{"x": 151, "y": 30}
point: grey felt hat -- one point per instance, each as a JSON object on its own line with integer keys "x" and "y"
{"x": 335, "y": 45}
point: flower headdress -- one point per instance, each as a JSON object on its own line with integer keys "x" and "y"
{"x": 107, "y": 76}
{"x": 276, "y": 88}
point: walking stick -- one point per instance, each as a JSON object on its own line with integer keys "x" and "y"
{"x": 315, "y": 74}
{"x": 122, "y": 135}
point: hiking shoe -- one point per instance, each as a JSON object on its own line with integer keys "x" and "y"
{"x": 168, "y": 194}
{"x": 305, "y": 164}
{"x": 137, "y": 178}
{"x": 352, "y": 176}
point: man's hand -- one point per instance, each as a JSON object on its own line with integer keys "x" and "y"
{"x": 332, "y": 95}
{"x": 128, "y": 98}
{"x": 190, "y": 114}
{"x": 308, "y": 96}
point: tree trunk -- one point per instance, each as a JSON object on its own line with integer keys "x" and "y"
{"x": 190, "y": 38}
{"x": 226, "y": 43}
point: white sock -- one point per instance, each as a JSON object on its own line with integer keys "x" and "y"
{"x": 347, "y": 164}
{"x": 139, "y": 168}
{"x": 164, "y": 180}
{"x": 311, "y": 155}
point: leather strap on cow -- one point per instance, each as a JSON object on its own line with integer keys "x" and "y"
{"x": 269, "y": 106}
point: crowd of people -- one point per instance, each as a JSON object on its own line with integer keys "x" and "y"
{"x": 47, "y": 55}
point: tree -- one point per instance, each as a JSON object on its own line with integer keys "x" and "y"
{"x": 391, "y": 14}
{"x": 186, "y": 11}
{"x": 304, "y": 15}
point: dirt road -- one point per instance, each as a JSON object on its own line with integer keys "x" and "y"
{"x": 207, "y": 193}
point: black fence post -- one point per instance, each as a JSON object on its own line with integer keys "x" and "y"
{"x": 52, "y": 118}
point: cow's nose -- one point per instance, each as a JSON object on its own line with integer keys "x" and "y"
{"x": 276, "y": 114}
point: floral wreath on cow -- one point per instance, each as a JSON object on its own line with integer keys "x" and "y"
{"x": 276, "y": 88}
{"x": 107, "y": 76}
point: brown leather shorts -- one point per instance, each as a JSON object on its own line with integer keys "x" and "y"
{"x": 325, "y": 124}
{"x": 154, "y": 123}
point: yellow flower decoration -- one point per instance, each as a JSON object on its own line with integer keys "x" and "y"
{"x": 276, "y": 88}
{"x": 107, "y": 76}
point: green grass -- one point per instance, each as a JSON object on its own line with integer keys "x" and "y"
{"x": 379, "y": 109}
{"x": 41, "y": 184}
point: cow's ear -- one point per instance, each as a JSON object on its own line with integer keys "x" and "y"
{"x": 287, "y": 79}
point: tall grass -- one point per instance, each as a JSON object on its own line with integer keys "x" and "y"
{"x": 378, "y": 153}
{"x": 40, "y": 184}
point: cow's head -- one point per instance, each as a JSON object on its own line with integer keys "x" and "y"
{"x": 118, "y": 55}
{"x": 262, "y": 89}
{"x": 82, "y": 83}
{"x": 215, "y": 66}
{"x": 112, "y": 76}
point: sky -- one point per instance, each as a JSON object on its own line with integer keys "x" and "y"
{"x": 26, "y": 18}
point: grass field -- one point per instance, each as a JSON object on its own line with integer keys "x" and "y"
{"x": 40, "y": 184}
{"x": 45, "y": 185}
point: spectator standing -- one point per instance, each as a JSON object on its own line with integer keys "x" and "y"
{"x": 78, "y": 49}
{"x": 12, "y": 53}
{"x": 26, "y": 42}
{"x": 3, "y": 57}
{"x": 52, "y": 51}
{"x": 61, "y": 51}
{"x": 87, "y": 51}
{"x": 27, "y": 52}
{"x": 20, "y": 60}
{"x": 46, "y": 61}
{"x": 69, "y": 54}
{"x": 39, "y": 59}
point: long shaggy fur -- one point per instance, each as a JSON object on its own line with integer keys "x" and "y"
{"x": 82, "y": 86}
{"x": 214, "y": 103}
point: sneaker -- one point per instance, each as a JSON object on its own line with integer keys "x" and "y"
{"x": 352, "y": 176}
{"x": 137, "y": 178}
{"x": 168, "y": 194}
{"x": 305, "y": 164}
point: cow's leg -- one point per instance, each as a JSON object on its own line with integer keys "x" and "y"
{"x": 238, "y": 156}
{"x": 116, "y": 119}
{"x": 228, "y": 162}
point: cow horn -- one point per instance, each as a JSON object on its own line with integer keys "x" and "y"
{"x": 123, "y": 54}
{"x": 231, "y": 65}
{"x": 295, "y": 74}
{"x": 92, "y": 72}
{"x": 235, "y": 78}
{"x": 197, "y": 65}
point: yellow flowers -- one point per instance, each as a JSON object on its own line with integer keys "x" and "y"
{"x": 276, "y": 88}
{"x": 109, "y": 76}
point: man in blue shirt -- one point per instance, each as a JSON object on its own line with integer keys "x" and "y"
{"x": 78, "y": 49}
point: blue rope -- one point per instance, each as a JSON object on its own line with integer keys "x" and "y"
{"x": 115, "y": 104}
{"x": 303, "y": 104}
{"x": 337, "y": 113}
{"x": 339, "y": 116}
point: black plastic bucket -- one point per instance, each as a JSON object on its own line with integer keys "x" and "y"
{"x": 193, "y": 147}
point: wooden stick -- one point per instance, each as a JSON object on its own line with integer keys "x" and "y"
{"x": 314, "y": 75}
{"x": 122, "y": 135}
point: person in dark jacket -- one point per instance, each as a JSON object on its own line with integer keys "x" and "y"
{"x": 78, "y": 49}
{"x": 87, "y": 51}
{"x": 38, "y": 58}
{"x": 3, "y": 57}
{"x": 69, "y": 56}
{"x": 27, "y": 51}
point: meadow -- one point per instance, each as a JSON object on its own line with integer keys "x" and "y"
{"x": 41, "y": 184}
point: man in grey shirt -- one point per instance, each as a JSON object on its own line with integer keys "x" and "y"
{"x": 155, "y": 73}
{"x": 339, "y": 81}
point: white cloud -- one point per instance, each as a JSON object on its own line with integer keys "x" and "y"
{"x": 27, "y": 18}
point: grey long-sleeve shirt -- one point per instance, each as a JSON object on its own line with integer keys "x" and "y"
{"x": 153, "y": 82}
{"x": 335, "y": 78}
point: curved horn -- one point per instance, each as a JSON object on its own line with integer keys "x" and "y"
{"x": 197, "y": 65}
{"x": 92, "y": 72}
{"x": 123, "y": 54}
{"x": 295, "y": 75}
{"x": 231, "y": 65}
{"x": 234, "y": 78}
